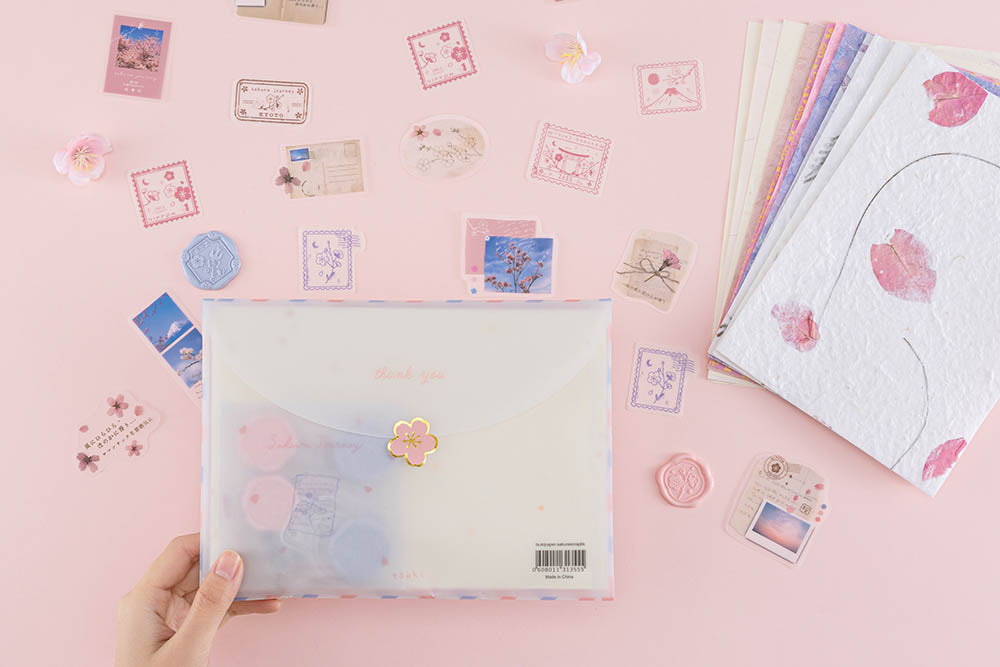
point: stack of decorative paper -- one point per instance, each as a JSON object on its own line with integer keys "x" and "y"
{"x": 858, "y": 277}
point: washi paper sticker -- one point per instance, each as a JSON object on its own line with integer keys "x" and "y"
{"x": 116, "y": 433}
{"x": 654, "y": 268}
{"x": 658, "y": 380}
{"x": 514, "y": 265}
{"x": 327, "y": 257}
{"x": 326, "y": 168}
{"x": 137, "y": 57}
{"x": 264, "y": 101}
{"x": 672, "y": 87}
{"x": 163, "y": 194}
{"x": 779, "y": 507}
{"x": 172, "y": 336}
{"x": 442, "y": 54}
{"x": 569, "y": 158}
{"x": 443, "y": 147}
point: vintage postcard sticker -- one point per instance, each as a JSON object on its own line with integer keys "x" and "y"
{"x": 443, "y": 147}
{"x": 570, "y": 158}
{"x": 165, "y": 193}
{"x": 118, "y": 432}
{"x": 654, "y": 268}
{"x": 513, "y": 265}
{"x": 175, "y": 339}
{"x": 298, "y": 11}
{"x": 669, "y": 87}
{"x": 325, "y": 168}
{"x": 442, "y": 54}
{"x": 327, "y": 257}
{"x": 262, "y": 101}
{"x": 137, "y": 57}
{"x": 658, "y": 380}
{"x": 779, "y": 506}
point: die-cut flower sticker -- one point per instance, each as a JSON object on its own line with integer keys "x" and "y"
{"x": 943, "y": 458}
{"x": 798, "y": 328}
{"x": 903, "y": 267}
{"x": 413, "y": 440}
{"x": 571, "y": 52}
{"x": 135, "y": 449}
{"x": 117, "y": 405}
{"x": 956, "y": 99}
{"x": 83, "y": 159}
{"x": 87, "y": 461}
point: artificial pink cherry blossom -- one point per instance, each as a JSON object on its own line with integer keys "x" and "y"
{"x": 577, "y": 62}
{"x": 83, "y": 159}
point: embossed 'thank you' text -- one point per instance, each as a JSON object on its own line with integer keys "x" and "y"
{"x": 386, "y": 373}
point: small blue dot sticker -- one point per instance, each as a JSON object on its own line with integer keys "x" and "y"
{"x": 473, "y": 290}
{"x": 823, "y": 506}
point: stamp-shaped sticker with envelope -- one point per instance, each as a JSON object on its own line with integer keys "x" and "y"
{"x": 262, "y": 101}
{"x": 328, "y": 258}
{"x": 779, "y": 507}
{"x": 569, "y": 158}
{"x": 326, "y": 168}
{"x": 669, "y": 87}
{"x": 165, "y": 193}
{"x": 654, "y": 268}
{"x": 658, "y": 379}
{"x": 442, "y": 54}
{"x": 117, "y": 431}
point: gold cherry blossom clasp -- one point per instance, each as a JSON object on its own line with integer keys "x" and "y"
{"x": 413, "y": 440}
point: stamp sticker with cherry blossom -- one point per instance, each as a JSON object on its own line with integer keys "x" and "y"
{"x": 165, "y": 193}
{"x": 672, "y": 87}
{"x": 570, "y": 158}
{"x": 442, "y": 54}
{"x": 657, "y": 384}
{"x": 118, "y": 431}
{"x": 263, "y": 101}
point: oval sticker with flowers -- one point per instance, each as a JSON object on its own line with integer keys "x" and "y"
{"x": 413, "y": 440}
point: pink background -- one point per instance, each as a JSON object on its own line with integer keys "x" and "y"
{"x": 894, "y": 577}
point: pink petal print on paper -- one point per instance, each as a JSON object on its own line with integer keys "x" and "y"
{"x": 956, "y": 99}
{"x": 798, "y": 327}
{"x": 902, "y": 267}
{"x": 943, "y": 458}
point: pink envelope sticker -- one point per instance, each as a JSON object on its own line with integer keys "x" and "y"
{"x": 116, "y": 433}
{"x": 137, "y": 57}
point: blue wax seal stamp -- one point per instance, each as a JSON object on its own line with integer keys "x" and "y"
{"x": 210, "y": 261}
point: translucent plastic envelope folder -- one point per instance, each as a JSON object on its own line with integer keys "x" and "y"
{"x": 374, "y": 449}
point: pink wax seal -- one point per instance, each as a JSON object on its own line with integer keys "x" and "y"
{"x": 266, "y": 442}
{"x": 267, "y": 502}
{"x": 683, "y": 480}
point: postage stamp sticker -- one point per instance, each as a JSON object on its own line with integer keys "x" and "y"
{"x": 442, "y": 54}
{"x": 263, "y": 101}
{"x": 658, "y": 380}
{"x": 670, "y": 87}
{"x": 570, "y": 158}
{"x": 164, "y": 193}
{"x": 327, "y": 257}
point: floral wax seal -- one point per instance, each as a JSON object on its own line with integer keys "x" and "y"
{"x": 683, "y": 480}
{"x": 267, "y": 502}
{"x": 210, "y": 261}
{"x": 413, "y": 440}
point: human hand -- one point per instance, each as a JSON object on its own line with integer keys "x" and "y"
{"x": 168, "y": 620}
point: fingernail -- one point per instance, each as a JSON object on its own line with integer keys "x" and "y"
{"x": 227, "y": 564}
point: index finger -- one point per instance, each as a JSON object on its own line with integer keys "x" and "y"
{"x": 174, "y": 563}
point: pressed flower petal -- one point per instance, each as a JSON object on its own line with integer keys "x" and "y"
{"x": 279, "y": 180}
{"x": 283, "y": 171}
{"x": 589, "y": 63}
{"x": 572, "y": 73}
{"x": 288, "y": 188}
{"x": 558, "y": 45}
{"x": 295, "y": 181}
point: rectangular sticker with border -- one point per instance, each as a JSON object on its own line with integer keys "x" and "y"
{"x": 263, "y": 101}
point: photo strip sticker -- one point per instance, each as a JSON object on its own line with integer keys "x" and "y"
{"x": 174, "y": 338}
{"x": 328, "y": 258}
{"x": 137, "y": 57}
{"x": 116, "y": 433}
{"x": 654, "y": 268}
{"x": 515, "y": 266}
{"x": 323, "y": 168}
{"x": 779, "y": 508}
{"x": 475, "y": 229}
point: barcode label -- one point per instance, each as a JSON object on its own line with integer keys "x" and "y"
{"x": 561, "y": 558}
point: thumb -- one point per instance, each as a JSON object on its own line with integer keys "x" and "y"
{"x": 210, "y": 605}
